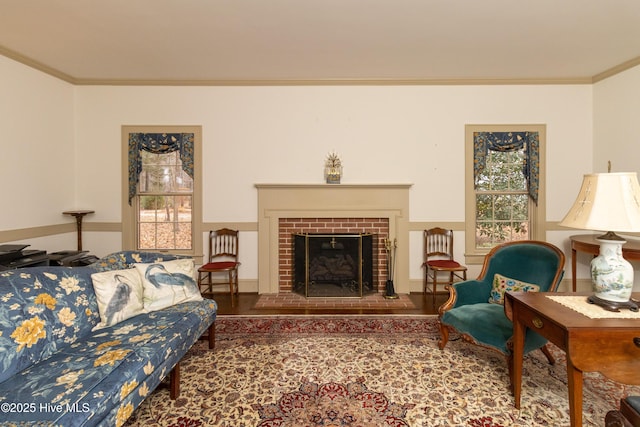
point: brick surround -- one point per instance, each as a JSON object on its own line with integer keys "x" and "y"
{"x": 289, "y": 226}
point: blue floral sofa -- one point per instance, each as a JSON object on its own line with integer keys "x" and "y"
{"x": 62, "y": 365}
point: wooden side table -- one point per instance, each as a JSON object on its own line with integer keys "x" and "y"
{"x": 587, "y": 243}
{"x": 610, "y": 346}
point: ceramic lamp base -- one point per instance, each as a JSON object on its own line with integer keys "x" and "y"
{"x": 612, "y": 305}
{"x": 612, "y": 275}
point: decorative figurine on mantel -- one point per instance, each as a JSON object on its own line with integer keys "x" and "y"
{"x": 332, "y": 168}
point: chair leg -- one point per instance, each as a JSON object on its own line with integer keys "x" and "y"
{"x": 426, "y": 280}
{"x": 434, "y": 288}
{"x": 444, "y": 336}
{"x": 547, "y": 352}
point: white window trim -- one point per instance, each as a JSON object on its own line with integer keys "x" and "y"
{"x": 537, "y": 213}
{"x": 129, "y": 214}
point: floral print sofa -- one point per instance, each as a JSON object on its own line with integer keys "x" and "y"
{"x": 61, "y": 366}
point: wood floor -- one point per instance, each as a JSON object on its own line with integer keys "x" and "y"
{"x": 244, "y": 304}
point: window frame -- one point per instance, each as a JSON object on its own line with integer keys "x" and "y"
{"x": 130, "y": 213}
{"x": 537, "y": 213}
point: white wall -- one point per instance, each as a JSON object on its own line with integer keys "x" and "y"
{"x": 282, "y": 134}
{"x": 37, "y": 164}
{"x": 391, "y": 134}
{"x": 616, "y": 119}
{"x": 61, "y": 144}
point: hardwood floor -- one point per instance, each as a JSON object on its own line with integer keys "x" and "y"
{"x": 245, "y": 305}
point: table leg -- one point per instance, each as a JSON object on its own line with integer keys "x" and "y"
{"x": 518, "y": 354}
{"x": 573, "y": 269}
{"x": 574, "y": 377}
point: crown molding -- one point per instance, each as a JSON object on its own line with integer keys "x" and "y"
{"x": 337, "y": 82}
{"x": 36, "y": 65}
{"x": 616, "y": 70}
{"x": 317, "y": 82}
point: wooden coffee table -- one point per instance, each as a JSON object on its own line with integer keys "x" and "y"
{"x": 609, "y": 346}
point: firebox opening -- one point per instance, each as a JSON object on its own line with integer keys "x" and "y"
{"x": 333, "y": 265}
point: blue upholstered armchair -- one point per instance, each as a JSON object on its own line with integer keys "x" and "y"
{"x": 475, "y": 309}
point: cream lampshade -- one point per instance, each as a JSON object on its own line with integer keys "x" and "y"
{"x": 609, "y": 202}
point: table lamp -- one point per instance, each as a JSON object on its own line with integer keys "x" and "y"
{"x": 609, "y": 202}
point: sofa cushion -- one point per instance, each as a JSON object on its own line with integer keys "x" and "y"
{"x": 502, "y": 284}
{"x": 168, "y": 283}
{"x": 119, "y": 294}
{"x": 42, "y": 310}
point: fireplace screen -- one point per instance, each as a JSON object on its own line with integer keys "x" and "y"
{"x": 333, "y": 265}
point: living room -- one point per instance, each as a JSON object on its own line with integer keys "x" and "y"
{"x": 274, "y": 122}
{"x": 69, "y": 151}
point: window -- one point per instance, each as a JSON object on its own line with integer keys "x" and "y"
{"x": 504, "y": 186}
{"x": 162, "y": 197}
{"x": 502, "y": 202}
{"x": 164, "y": 203}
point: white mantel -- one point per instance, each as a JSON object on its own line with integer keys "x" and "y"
{"x": 277, "y": 201}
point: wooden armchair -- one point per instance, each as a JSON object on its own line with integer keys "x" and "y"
{"x": 474, "y": 308}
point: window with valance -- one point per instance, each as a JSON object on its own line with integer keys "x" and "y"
{"x": 504, "y": 184}
{"x": 162, "y": 191}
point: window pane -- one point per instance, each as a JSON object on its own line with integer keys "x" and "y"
{"x": 183, "y": 238}
{"x": 484, "y": 206}
{"x": 520, "y": 207}
{"x": 163, "y": 173}
{"x": 485, "y": 232}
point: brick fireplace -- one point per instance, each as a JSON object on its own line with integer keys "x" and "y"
{"x": 287, "y": 227}
{"x": 352, "y": 208}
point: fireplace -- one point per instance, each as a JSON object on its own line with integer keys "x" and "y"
{"x": 289, "y": 228}
{"x": 334, "y": 264}
{"x": 287, "y": 209}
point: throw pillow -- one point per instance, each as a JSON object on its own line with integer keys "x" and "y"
{"x": 168, "y": 283}
{"x": 119, "y": 294}
{"x": 502, "y": 284}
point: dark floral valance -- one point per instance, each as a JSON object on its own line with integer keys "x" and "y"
{"x": 158, "y": 143}
{"x": 510, "y": 141}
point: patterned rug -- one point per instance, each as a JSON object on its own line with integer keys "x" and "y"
{"x": 363, "y": 371}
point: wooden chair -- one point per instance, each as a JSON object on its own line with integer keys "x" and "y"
{"x": 438, "y": 259}
{"x": 223, "y": 262}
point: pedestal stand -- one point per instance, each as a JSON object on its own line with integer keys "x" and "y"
{"x": 79, "y": 214}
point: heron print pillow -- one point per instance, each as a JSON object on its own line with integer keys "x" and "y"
{"x": 119, "y": 294}
{"x": 168, "y": 283}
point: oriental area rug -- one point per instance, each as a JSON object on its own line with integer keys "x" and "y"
{"x": 363, "y": 371}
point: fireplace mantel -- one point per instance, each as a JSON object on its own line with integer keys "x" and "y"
{"x": 277, "y": 201}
